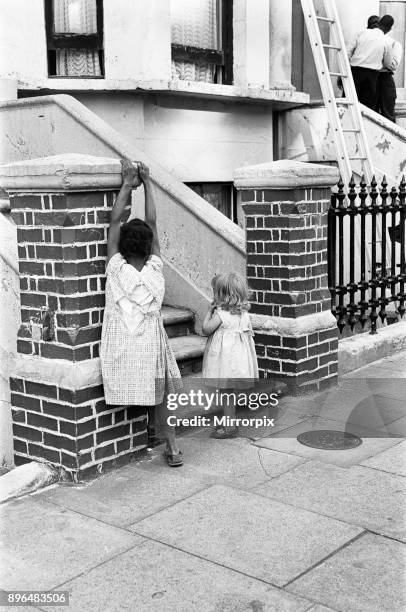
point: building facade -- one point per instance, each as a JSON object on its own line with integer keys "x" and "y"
{"x": 201, "y": 87}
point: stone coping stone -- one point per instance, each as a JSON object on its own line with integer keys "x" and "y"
{"x": 285, "y": 174}
{"x": 67, "y": 172}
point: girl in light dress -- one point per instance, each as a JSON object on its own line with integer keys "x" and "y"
{"x": 230, "y": 361}
{"x": 138, "y": 365}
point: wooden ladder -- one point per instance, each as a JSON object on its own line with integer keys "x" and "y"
{"x": 353, "y": 136}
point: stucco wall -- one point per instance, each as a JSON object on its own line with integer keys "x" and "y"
{"x": 22, "y": 39}
{"x": 194, "y": 140}
{"x": 137, "y": 41}
{"x": 10, "y": 320}
{"x": 397, "y": 8}
{"x": 306, "y": 136}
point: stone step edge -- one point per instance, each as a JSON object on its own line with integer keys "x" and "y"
{"x": 188, "y": 347}
{"x": 173, "y": 316}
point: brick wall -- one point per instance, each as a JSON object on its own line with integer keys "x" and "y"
{"x": 286, "y": 236}
{"x": 62, "y": 248}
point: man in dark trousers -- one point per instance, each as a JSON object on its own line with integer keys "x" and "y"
{"x": 366, "y": 54}
{"x": 386, "y": 87}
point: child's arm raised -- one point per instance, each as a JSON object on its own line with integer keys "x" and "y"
{"x": 211, "y": 322}
{"x": 150, "y": 208}
{"x": 129, "y": 173}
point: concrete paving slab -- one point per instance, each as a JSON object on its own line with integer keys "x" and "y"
{"x": 43, "y": 545}
{"x": 357, "y": 495}
{"x": 362, "y": 406}
{"x": 234, "y": 462}
{"x": 158, "y": 578}
{"x": 377, "y": 370}
{"x": 286, "y": 442}
{"x": 21, "y": 608}
{"x": 319, "y": 608}
{"x": 283, "y": 417}
{"x": 262, "y": 538}
{"x": 366, "y": 576}
{"x": 392, "y": 460}
{"x": 124, "y": 496}
{"x": 397, "y": 428}
{"x": 386, "y": 387}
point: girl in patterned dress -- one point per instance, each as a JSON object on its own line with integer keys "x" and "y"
{"x": 137, "y": 362}
{"x": 230, "y": 361}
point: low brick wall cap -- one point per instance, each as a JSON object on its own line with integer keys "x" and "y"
{"x": 285, "y": 174}
{"x": 67, "y": 172}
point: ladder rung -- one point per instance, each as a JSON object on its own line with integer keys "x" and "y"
{"x": 337, "y": 106}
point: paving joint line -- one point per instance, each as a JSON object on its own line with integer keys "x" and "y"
{"x": 126, "y": 526}
{"x": 204, "y": 488}
{"x": 370, "y": 467}
{"x": 89, "y": 569}
{"x": 98, "y": 520}
{"x": 387, "y": 537}
{"x": 227, "y": 567}
{"x": 329, "y": 516}
{"x": 327, "y": 557}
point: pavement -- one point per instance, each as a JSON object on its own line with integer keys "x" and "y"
{"x": 258, "y": 523}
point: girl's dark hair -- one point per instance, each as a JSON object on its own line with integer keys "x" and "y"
{"x": 135, "y": 239}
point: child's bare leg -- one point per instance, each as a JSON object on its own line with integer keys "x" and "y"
{"x": 229, "y": 411}
{"x": 229, "y": 405}
{"x": 152, "y": 421}
{"x": 167, "y": 431}
{"x": 153, "y": 427}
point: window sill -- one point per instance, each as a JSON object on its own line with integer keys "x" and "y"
{"x": 280, "y": 96}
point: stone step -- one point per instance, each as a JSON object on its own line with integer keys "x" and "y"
{"x": 178, "y": 321}
{"x": 188, "y": 351}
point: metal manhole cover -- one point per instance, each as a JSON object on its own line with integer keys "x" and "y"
{"x": 328, "y": 439}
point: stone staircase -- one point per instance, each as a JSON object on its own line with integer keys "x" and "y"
{"x": 187, "y": 346}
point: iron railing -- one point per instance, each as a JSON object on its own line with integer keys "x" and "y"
{"x": 366, "y": 253}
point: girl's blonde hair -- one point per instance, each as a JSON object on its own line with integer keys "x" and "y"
{"x": 230, "y": 292}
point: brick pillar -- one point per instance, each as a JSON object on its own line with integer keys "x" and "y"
{"x": 285, "y": 205}
{"x": 61, "y": 206}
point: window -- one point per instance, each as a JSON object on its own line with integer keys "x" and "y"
{"x": 75, "y": 38}
{"x": 201, "y": 33}
{"x": 222, "y": 196}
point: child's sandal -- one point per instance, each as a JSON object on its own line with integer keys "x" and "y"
{"x": 221, "y": 433}
{"x": 174, "y": 460}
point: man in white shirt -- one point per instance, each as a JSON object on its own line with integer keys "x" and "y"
{"x": 366, "y": 54}
{"x": 386, "y": 87}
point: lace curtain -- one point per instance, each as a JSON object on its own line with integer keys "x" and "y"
{"x": 76, "y": 17}
{"x": 194, "y": 23}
